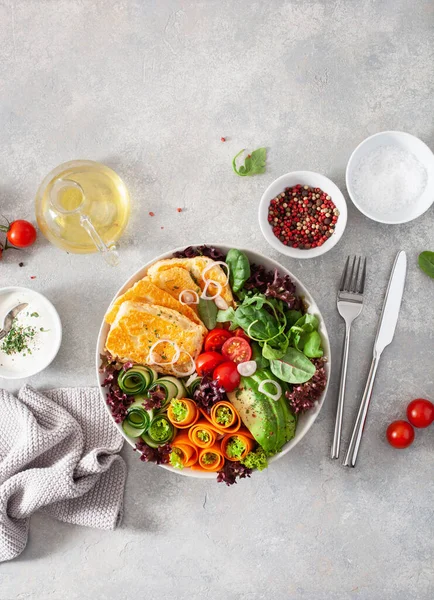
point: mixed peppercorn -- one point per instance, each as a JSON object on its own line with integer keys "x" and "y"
{"x": 303, "y": 217}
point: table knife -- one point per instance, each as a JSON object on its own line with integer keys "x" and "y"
{"x": 385, "y": 333}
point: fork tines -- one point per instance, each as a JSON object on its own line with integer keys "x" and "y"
{"x": 353, "y": 280}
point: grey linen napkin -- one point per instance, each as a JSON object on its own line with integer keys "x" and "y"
{"x": 59, "y": 454}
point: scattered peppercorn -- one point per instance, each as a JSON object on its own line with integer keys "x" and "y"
{"x": 179, "y": 209}
{"x": 151, "y": 214}
{"x": 32, "y": 276}
{"x": 303, "y": 217}
{"x": 21, "y": 264}
{"x": 161, "y": 227}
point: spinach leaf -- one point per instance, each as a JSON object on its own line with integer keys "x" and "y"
{"x": 208, "y": 313}
{"x": 239, "y": 269}
{"x": 312, "y": 345}
{"x": 426, "y": 262}
{"x": 257, "y": 355}
{"x": 272, "y": 353}
{"x": 258, "y": 323}
{"x": 292, "y": 316}
{"x": 307, "y": 323}
{"x": 293, "y": 367}
{"x": 254, "y": 163}
{"x": 225, "y": 316}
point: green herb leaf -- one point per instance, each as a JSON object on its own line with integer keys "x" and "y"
{"x": 261, "y": 361}
{"x": 312, "y": 345}
{"x": 254, "y": 163}
{"x": 293, "y": 367}
{"x": 208, "y": 313}
{"x": 34, "y": 314}
{"x": 239, "y": 269}
{"x": 426, "y": 262}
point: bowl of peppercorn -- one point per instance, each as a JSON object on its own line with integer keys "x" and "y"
{"x": 303, "y": 214}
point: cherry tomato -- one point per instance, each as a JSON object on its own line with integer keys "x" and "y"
{"x": 241, "y": 333}
{"x": 207, "y": 362}
{"x": 420, "y": 412}
{"x": 21, "y": 234}
{"x": 216, "y": 338}
{"x": 237, "y": 349}
{"x": 228, "y": 375}
{"x": 400, "y": 434}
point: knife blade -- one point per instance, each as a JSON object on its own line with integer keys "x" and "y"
{"x": 9, "y": 318}
{"x": 385, "y": 332}
{"x": 392, "y": 303}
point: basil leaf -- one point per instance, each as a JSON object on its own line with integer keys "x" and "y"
{"x": 293, "y": 367}
{"x": 254, "y": 163}
{"x": 312, "y": 345}
{"x": 208, "y": 313}
{"x": 239, "y": 269}
{"x": 426, "y": 262}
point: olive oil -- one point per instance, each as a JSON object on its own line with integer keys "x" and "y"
{"x": 103, "y": 200}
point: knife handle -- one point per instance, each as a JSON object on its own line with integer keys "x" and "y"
{"x": 356, "y": 436}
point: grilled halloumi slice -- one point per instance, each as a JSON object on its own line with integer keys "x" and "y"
{"x": 175, "y": 280}
{"x": 138, "y": 326}
{"x": 145, "y": 292}
{"x": 160, "y": 272}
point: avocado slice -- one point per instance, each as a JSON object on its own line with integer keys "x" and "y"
{"x": 271, "y": 422}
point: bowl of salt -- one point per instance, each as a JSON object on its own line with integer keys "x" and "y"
{"x": 390, "y": 177}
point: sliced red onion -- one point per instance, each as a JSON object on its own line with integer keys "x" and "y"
{"x": 205, "y": 290}
{"x": 275, "y": 396}
{"x": 188, "y": 297}
{"x": 211, "y": 266}
{"x": 191, "y": 379}
{"x": 189, "y": 371}
{"x": 248, "y": 368}
{"x": 221, "y": 303}
{"x": 167, "y": 363}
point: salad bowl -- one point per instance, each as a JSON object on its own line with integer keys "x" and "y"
{"x": 305, "y": 420}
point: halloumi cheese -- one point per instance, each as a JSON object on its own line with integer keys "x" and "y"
{"x": 145, "y": 292}
{"x": 138, "y": 326}
{"x": 160, "y": 272}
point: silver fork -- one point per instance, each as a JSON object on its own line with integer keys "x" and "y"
{"x": 350, "y": 305}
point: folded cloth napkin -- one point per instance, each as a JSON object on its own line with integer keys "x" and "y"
{"x": 59, "y": 454}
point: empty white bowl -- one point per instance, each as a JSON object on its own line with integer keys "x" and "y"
{"x": 403, "y": 141}
{"x": 313, "y": 180}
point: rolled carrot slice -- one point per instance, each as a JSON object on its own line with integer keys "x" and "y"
{"x": 225, "y": 416}
{"x": 182, "y": 412}
{"x": 187, "y": 452}
{"x": 210, "y": 459}
{"x": 203, "y": 434}
{"x": 241, "y": 440}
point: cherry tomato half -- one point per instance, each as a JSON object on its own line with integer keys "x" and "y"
{"x": 207, "y": 362}
{"x": 400, "y": 434}
{"x": 420, "y": 412}
{"x": 226, "y": 373}
{"x": 216, "y": 338}
{"x": 21, "y": 234}
{"x": 237, "y": 349}
{"x": 241, "y": 333}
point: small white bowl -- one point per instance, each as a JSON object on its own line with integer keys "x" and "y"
{"x": 47, "y": 342}
{"x": 313, "y": 180}
{"x": 404, "y": 141}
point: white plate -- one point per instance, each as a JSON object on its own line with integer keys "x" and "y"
{"x": 404, "y": 141}
{"x": 305, "y": 421}
{"x": 313, "y": 180}
{"x": 46, "y": 343}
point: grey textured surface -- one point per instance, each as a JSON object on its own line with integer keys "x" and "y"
{"x": 149, "y": 88}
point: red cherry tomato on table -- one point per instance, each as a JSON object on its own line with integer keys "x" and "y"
{"x": 226, "y": 373}
{"x": 216, "y": 338}
{"x": 237, "y": 349}
{"x": 241, "y": 333}
{"x": 21, "y": 234}
{"x": 207, "y": 362}
{"x": 420, "y": 412}
{"x": 400, "y": 434}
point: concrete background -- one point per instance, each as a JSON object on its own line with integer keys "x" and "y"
{"x": 149, "y": 88}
